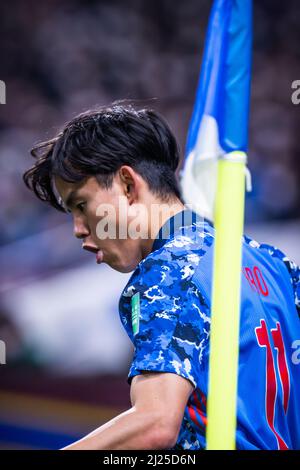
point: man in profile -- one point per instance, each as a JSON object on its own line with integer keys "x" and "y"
{"x": 118, "y": 153}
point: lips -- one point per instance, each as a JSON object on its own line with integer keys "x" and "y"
{"x": 99, "y": 257}
{"x": 96, "y": 250}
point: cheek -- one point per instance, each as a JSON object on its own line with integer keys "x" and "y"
{"x": 124, "y": 249}
{"x": 104, "y": 227}
{"x": 92, "y": 219}
{"x": 125, "y": 255}
{"x": 129, "y": 250}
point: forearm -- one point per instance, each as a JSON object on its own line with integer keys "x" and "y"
{"x": 129, "y": 430}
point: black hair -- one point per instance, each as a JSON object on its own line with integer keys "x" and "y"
{"x": 98, "y": 142}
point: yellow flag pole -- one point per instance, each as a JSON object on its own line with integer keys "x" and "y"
{"x": 225, "y": 318}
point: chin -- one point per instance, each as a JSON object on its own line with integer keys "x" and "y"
{"x": 124, "y": 267}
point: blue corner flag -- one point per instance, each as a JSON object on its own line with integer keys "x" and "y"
{"x": 219, "y": 124}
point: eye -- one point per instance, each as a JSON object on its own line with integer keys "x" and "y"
{"x": 80, "y": 206}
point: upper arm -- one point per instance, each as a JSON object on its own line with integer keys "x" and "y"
{"x": 173, "y": 322}
{"x": 163, "y": 394}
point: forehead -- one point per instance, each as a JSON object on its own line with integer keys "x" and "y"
{"x": 65, "y": 190}
{"x": 65, "y": 187}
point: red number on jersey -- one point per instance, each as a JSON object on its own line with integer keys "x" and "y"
{"x": 271, "y": 381}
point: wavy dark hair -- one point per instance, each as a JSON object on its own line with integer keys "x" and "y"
{"x": 98, "y": 142}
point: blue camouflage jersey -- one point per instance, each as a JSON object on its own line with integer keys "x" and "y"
{"x": 165, "y": 309}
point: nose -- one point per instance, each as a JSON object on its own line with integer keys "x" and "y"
{"x": 80, "y": 229}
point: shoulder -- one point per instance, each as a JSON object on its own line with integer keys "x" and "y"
{"x": 292, "y": 269}
{"x": 274, "y": 252}
{"x": 176, "y": 261}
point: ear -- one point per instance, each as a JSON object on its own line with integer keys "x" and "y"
{"x": 130, "y": 182}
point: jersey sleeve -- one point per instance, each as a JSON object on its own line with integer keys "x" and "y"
{"x": 173, "y": 320}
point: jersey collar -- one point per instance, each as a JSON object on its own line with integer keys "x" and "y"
{"x": 180, "y": 221}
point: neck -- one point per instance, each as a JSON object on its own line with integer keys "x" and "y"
{"x": 158, "y": 214}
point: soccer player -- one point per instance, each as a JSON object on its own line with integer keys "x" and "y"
{"x": 124, "y": 160}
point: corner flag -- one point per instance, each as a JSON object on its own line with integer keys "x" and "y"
{"x": 213, "y": 182}
{"x": 219, "y": 123}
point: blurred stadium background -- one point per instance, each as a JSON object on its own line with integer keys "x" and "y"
{"x": 67, "y": 356}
